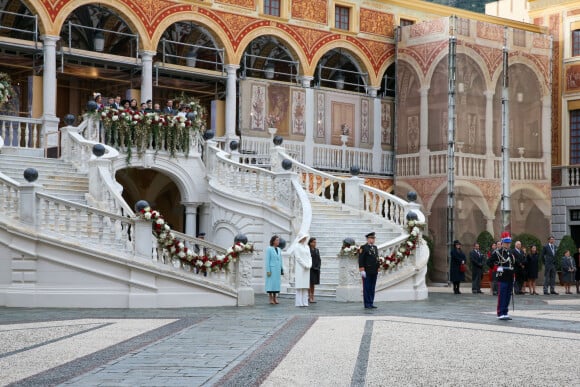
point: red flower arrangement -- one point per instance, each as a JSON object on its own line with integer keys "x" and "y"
{"x": 179, "y": 252}
{"x": 407, "y": 248}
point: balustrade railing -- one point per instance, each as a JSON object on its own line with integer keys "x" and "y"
{"x": 408, "y": 165}
{"x": 21, "y": 132}
{"x": 9, "y": 197}
{"x": 569, "y": 175}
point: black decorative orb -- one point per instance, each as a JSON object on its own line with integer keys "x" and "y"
{"x": 241, "y": 238}
{"x": 30, "y": 174}
{"x": 286, "y": 164}
{"x": 209, "y": 134}
{"x": 412, "y": 216}
{"x": 282, "y": 243}
{"x": 278, "y": 140}
{"x": 412, "y": 196}
{"x": 69, "y": 119}
{"x": 348, "y": 241}
{"x": 92, "y": 106}
{"x": 234, "y": 145}
{"x": 140, "y": 205}
{"x": 98, "y": 150}
{"x": 354, "y": 170}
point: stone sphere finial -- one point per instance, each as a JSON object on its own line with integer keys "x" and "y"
{"x": 412, "y": 216}
{"x": 347, "y": 242}
{"x": 31, "y": 175}
{"x": 69, "y": 119}
{"x": 354, "y": 170}
{"x": 412, "y": 196}
{"x": 286, "y": 164}
{"x": 92, "y": 106}
{"x": 282, "y": 243}
{"x": 208, "y": 134}
{"x": 140, "y": 205}
{"x": 278, "y": 140}
{"x": 241, "y": 238}
{"x": 234, "y": 144}
{"x": 98, "y": 150}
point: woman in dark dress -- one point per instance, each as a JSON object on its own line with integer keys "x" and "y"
{"x": 457, "y": 259}
{"x": 532, "y": 268}
{"x": 577, "y": 278}
{"x": 314, "y": 270}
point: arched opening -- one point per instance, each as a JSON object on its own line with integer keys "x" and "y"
{"x": 340, "y": 69}
{"x": 388, "y": 94}
{"x": 409, "y": 107}
{"x": 270, "y": 58}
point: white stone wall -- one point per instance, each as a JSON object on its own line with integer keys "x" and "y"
{"x": 563, "y": 199}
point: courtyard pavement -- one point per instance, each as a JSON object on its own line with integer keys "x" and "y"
{"x": 447, "y": 340}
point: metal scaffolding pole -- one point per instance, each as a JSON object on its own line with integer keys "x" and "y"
{"x": 505, "y": 144}
{"x": 451, "y": 147}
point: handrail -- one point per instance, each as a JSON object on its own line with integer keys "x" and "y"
{"x": 34, "y": 17}
{"x": 191, "y": 61}
{"x": 21, "y": 132}
{"x": 134, "y": 36}
{"x": 9, "y": 196}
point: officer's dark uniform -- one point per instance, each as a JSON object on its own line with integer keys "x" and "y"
{"x": 505, "y": 261}
{"x": 368, "y": 261}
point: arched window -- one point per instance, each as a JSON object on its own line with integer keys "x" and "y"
{"x": 576, "y": 43}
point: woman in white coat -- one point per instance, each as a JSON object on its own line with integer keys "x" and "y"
{"x": 303, "y": 263}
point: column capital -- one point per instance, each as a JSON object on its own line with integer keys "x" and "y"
{"x": 372, "y": 91}
{"x": 489, "y": 94}
{"x": 49, "y": 39}
{"x": 424, "y": 91}
{"x": 306, "y": 80}
{"x": 191, "y": 204}
{"x": 231, "y": 68}
{"x": 146, "y": 54}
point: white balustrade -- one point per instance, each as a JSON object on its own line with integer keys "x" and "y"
{"x": 9, "y": 197}
{"x": 21, "y": 132}
{"x": 408, "y": 165}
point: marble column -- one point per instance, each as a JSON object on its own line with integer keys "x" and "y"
{"x": 231, "y": 107}
{"x": 147, "y": 75}
{"x": 50, "y": 121}
{"x": 424, "y": 132}
{"x": 489, "y": 156}
{"x": 547, "y": 135}
{"x": 309, "y": 120}
{"x": 190, "y": 218}
{"x": 376, "y": 129}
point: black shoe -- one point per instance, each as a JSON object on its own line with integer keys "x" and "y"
{"x": 373, "y": 307}
{"x": 556, "y": 293}
{"x": 546, "y": 294}
{"x": 479, "y": 292}
{"x": 495, "y": 294}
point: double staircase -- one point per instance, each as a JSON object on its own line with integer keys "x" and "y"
{"x": 332, "y": 222}
{"x": 59, "y": 178}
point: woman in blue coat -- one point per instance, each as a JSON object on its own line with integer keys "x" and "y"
{"x": 274, "y": 269}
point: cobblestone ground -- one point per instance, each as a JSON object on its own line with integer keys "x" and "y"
{"x": 445, "y": 340}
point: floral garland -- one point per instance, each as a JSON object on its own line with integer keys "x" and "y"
{"x": 347, "y": 249}
{"x": 186, "y": 256}
{"x": 128, "y": 128}
{"x": 407, "y": 248}
{"x": 6, "y": 90}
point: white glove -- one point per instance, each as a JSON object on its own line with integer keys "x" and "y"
{"x": 363, "y": 274}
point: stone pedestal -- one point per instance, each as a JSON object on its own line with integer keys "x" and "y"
{"x": 244, "y": 279}
{"x": 349, "y": 282}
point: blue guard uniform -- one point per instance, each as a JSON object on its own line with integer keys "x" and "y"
{"x": 505, "y": 260}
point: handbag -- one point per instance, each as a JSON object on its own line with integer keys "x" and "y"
{"x": 463, "y": 267}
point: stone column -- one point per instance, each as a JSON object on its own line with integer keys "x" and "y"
{"x": 490, "y": 157}
{"x": 424, "y": 133}
{"x": 547, "y": 135}
{"x": 50, "y": 123}
{"x": 147, "y": 75}
{"x": 28, "y": 203}
{"x": 377, "y": 130}
{"x": 231, "y": 108}
{"x": 190, "y": 218}
{"x": 309, "y": 120}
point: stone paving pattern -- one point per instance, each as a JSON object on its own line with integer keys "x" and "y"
{"x": 445, "y": 340}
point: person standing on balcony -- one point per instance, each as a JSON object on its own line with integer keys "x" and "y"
{"x": 549, "y": 257}
{"x": 168, "y": 109}
{"x": 456, "y": 276}
{"x": 274, "y": 269}
{"x": 303, "y": 263}
{"x": 368, "y": 266}
{"x": 314, "y": 270}
{"x": 476, "y": 258}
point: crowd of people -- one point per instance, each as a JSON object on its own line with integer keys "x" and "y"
{"x": 524, "y": 262}
{"x": 145, "y": 107}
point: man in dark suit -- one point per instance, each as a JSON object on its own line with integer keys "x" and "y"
{"x": 549, "y": 257}
{"x": 476, "y": 258}
{"x": 519, "y": 267}
{"x": 168, "y": 109}
{"x": 368, "y": 265}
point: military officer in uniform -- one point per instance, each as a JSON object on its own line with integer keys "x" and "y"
{"x": 505, "y": 260}
{"x": 368, "y": 265}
